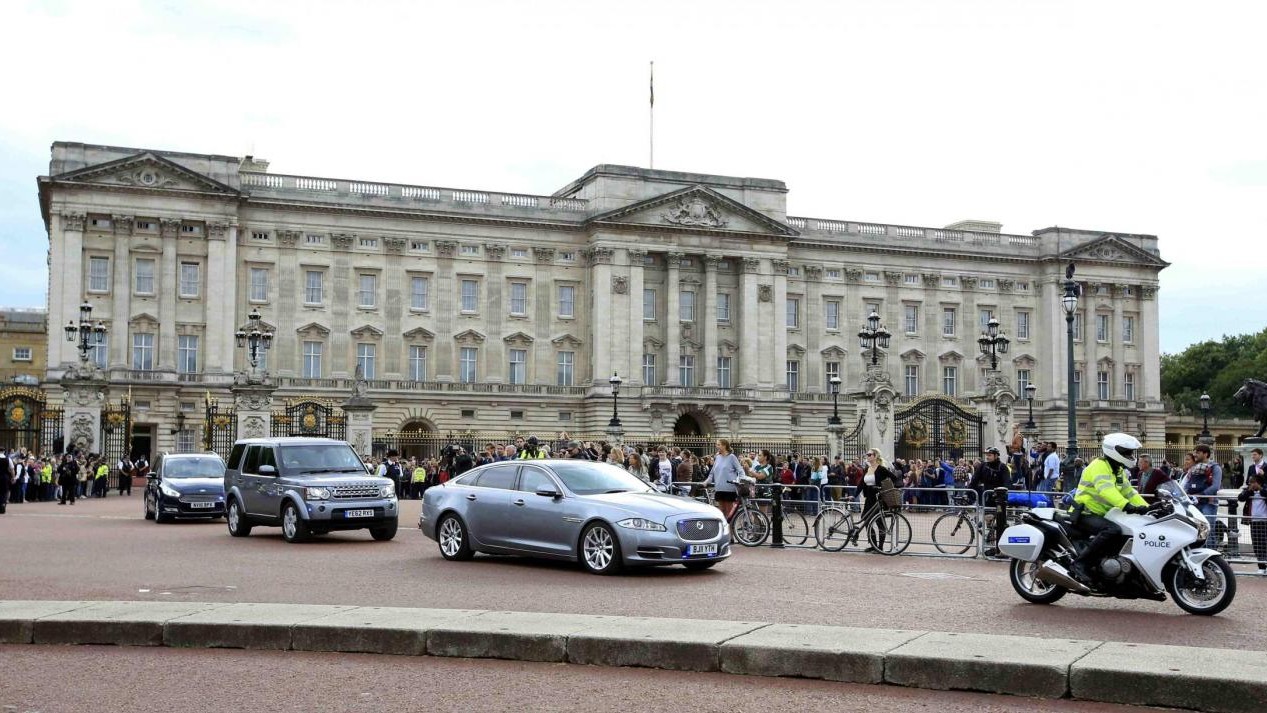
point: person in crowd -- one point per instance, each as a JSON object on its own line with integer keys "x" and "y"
{"x": 1051, "y": 466}
{"x": 1254, "y": 495}
{"x": 102, "y": 480}
{"x": 6, "y": 480}
{"x": 68, "y": 479}
{"x": 836, "y": 480}
{"x": 1204, "y": 486}
{"x": 726, "y": 470}
{"x": 462, "y": 462}
{"x": 1149, "y": 477}
{"x": 818, "y": 481}
{"x": 872, "y": 481}
{"x": 17, "y": 493}
{"x": 510, "y": 452}
{"x": 87, "y": 485}
{"x": 418, "y": 480}
{"x": 802, "y": 470}
{"x": 661, "y": 469}
{"x": 532, "y": 450}
{"x": 125, "y": 474}
{"x": 1237, "y": 470}
{"x": 635, "y": 467}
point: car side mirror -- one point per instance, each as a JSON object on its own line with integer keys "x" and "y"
{"x": 268, "y": 470}
{"x": 546, "y": 491}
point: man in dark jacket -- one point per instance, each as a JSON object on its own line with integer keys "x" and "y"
{"x": 990, "y": 473}
{"x": 6, "y": 477}
{"x": 462, "y": 462}
{"x": 68, "y": 478}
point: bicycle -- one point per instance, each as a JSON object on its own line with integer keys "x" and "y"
{"x": 888, "y": 530}
{"x": 796, "y": 527}
{"x": 748, "y": 525}
{"x": 954, "y": 533}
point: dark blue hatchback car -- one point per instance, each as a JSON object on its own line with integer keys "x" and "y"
{"x": 185, "y": 486}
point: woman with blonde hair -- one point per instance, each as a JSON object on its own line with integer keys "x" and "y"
{"x": 726, "y": 470}
{"x": 877, "y": 471}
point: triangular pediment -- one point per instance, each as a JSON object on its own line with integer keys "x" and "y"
{"x": 652, "y": 342}
{"x": 419, "y": 334}
{"x": 913, "y": 355}
{"x": 566, "y": 340}
{"x": 518, "y": 338}
{"x": 469, "y": 336}
{"x": 1024, "y": 360}
{"x": 367, "y": 330}
{"x": 950, "y": 356}
{"x": 694, "y": 208}
{"x": 1112, "y": 249}
{"x": 795, "y": 350}
{"x": 728, "y": 347}
{"x": 147, "y": 171}
{"x": 833, "y": 352}
{"x": 144, "y": 318}
{"x": 314, "y": 328}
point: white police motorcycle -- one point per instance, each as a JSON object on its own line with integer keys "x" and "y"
{"x": 1160, "y": 552}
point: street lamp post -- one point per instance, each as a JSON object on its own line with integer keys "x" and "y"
{"x": 254, "y": 339}
{"x": 615, "y": 382}
{"x": 874, "y": 337}
{"x": 89, "y": 335}
{"x": 835, "y": 401}
{"x": 1030, "y": 390}
{"x": 1070, "y": 303}
{"x": 1205, "y": 419}
{"x": 993, "y": 343}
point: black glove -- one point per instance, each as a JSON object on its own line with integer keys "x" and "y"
{"x": 1135, "y": 510}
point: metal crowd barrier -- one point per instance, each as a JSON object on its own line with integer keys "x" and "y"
{"x": 1233, "y": 533}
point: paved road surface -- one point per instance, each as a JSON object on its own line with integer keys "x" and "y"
{"x": 104, "y": 550}
{"x": 96, "y": 678}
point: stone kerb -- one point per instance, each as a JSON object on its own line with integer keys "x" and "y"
{"x": 832, "y": 653}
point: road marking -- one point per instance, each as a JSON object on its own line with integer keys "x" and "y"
{"x": 934, "y": 575}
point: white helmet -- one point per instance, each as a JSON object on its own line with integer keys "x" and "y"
{"x": 1121, "y": 448}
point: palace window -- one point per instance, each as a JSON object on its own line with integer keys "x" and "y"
{"x": 949, "y": 380}
{"x": 723, "y": 307}
{"x": 466, "y": 365}
{"x": 793, "y": 376}
{"x": 567, "y": 301}
{"x": 686, "y": 306}
{"x": 830, "y": 369}
{"x": 417, "y": 362}
{"x": 1022, "y": 325}
{"x": 99, "y": 353}
{"x": 190, "y": 279}
{"x": 367, "y": 291}
{"x": 648, "y": 369}
{"x": 258, "y": 284}
{"x": 831, "y": 314}
{"x": 98, "y": 274}
{"x": 793, "y": 313}
{"x": 518, "y": 373}
{"x": 911, "y": 379}
{"x": 144, "y": 276}
{"x": 314, "y": 287}
{"x": 143, "y": 352}
{"x": 567, "y": 360}
{"x": 910, "y": 319}
{"x": 648, "y": 305}
{"x": 419, "y": 293}
{"x": 470, "y": 296}
{"x": 1128, "y": 329}
{"x": 1130, "y": 386}
{"x": 312, "y": 360}
{"x": 723, "y": 372}
{"x": 1102, "y": 327}
{"x": 21, "y": 354}
{"x": 519, "y": 299}
{"x": 1022, "y": 381}
{"x": 187, "y": 354}
{"x": 686, "y": 369}
{"x": 1102, "y": 385}
{"x": 948, "y": 321}
{"x": 365, "y": 354}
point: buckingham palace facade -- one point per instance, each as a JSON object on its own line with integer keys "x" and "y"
{"x": 473, "y": 309}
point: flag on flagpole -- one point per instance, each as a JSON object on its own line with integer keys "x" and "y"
{"x": 653, "y": 84}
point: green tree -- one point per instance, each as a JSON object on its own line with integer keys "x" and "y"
{"x": 1217, "y": 368}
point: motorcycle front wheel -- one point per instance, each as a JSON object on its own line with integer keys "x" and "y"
{"x": 1025, "y": 581}
{"x": 1204, "y": 598}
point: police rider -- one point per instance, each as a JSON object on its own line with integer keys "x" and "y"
{"x": 1105, "y": 485}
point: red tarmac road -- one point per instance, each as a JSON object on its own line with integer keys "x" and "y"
{"x": 104, "y": 550}
{"x": 104, "y": 678}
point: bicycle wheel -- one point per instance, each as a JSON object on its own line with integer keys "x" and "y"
{"x": 954, "y": 534}
{"x": 832, "y": 528}
{"x": 751, "y": 527}
{"x": 889, "y": 533}
{"x": 795, "y": 527}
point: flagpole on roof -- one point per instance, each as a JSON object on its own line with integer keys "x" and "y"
{"x": 652, "y": 112}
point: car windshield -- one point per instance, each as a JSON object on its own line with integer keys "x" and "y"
{"x": 313, "y": 458}
{"x": 209, "y": 467}
{"x": 585, "y": 478}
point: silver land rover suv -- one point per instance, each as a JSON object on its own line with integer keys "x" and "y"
{"x": 307, "y": 486}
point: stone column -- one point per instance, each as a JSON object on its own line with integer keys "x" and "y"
{"x": 254, "y": 406}
{"x": 635, "y": 286}
{"x": 673, "y": 321}
{"x": 780, "y": 323}
{"x": 876, "y": 402}
{"x": 995, "y": 404}
{"x": 360, "y": 413}
{"x": 813, "y": 322}
{"x": 600, "y": 279}
{"x": 290, "y": 286}
{"x": 168, "y": 287}
{"x": 219, "y": 300}
{"x": 1050, "y": 327}
{"x": 494, "y": 348}
{"x": 84, "y": 395}
{"x": 967, "y": 336}
{"x": 1149, "y": 386}
{"x": 749, "y": 327}
{"x": 446, "y": 367}
{"x": 541, "y": 370}
{"x": 63, "y": 303}
{"x": 709, "y": 298}
{"x": 120, "y": 333}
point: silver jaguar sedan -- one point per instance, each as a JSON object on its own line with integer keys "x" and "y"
{"x": 576, "y": 510}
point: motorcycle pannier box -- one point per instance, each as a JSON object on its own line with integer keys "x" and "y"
{"x": 1022, "y": 542}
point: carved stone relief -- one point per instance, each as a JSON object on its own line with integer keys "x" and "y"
{"x": 494, "y": 251}
{"x": 288, "y": 238}
{"x": 853, "y": 274}
{"x": 931, "y": 280}
{"x": 892, "y": 278}
{"x": 765, "y": 293}
{"x": 253, "y": 427}
{"x": 342, "y": 241}
{"x": 73, "y": 222}
{"x": 446, "y": 248}
{"x": 620, "y": 284}
{"x": 694, "y": 211}
{"x": 170, "y": 227}
{"x": 543, "y": 254}
{"x": 751, "y": 264}
{"x": 82, "y": 426}
{"x": 217, "y": 231}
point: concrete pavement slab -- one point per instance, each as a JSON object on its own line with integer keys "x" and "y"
{"x": 522, "y": 636}
{"x": 1019, "y": 665}
{"x": 374, "y": 630}
{"x": 17, "y": 618}
{"x": 118, "y": 623}
{"x": 833, "y": 653}
{"x": 243, "y": 626}
{"x": 678, "y": 644}
{"x": 1221, "y": 680}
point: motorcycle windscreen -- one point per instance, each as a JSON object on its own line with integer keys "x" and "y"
{"x": 1022, "y": 542}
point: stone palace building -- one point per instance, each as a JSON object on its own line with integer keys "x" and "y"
{"x": 474, "y": 309}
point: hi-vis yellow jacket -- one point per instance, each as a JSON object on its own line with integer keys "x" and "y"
{"x": 1100, "y": 491}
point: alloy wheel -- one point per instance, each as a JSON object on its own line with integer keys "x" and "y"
{"x": 598, "y": 548}
{"x": 450, "y": 537}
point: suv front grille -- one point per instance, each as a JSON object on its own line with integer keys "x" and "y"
{"x": 355, "y": 492}
{"x": 695, "y": 530}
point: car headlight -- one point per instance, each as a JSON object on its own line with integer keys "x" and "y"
{"x": 316, "y": 493}
{"x": 387, "y": 491}
{"x": 638, "y": 523}
{"x": 168, "y": 490}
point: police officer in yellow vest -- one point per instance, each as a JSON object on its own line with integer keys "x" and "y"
{"x": 532, "y": 451}
{"x": 417, "y": 481}
{"x": 1105, "y": 485}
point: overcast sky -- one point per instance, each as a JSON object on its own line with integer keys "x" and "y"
{"x": 1143, "y": 117}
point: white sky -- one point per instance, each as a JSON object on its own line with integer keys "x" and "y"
{"x": 1120, "y": 116}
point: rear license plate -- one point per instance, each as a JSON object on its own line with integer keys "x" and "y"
{"x": 202, "y": 506}
{"x": 694, "y": 550}
{"x": 358, "y": 513}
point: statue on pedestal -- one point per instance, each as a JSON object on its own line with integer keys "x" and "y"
{"x": 1254, "y": 395}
